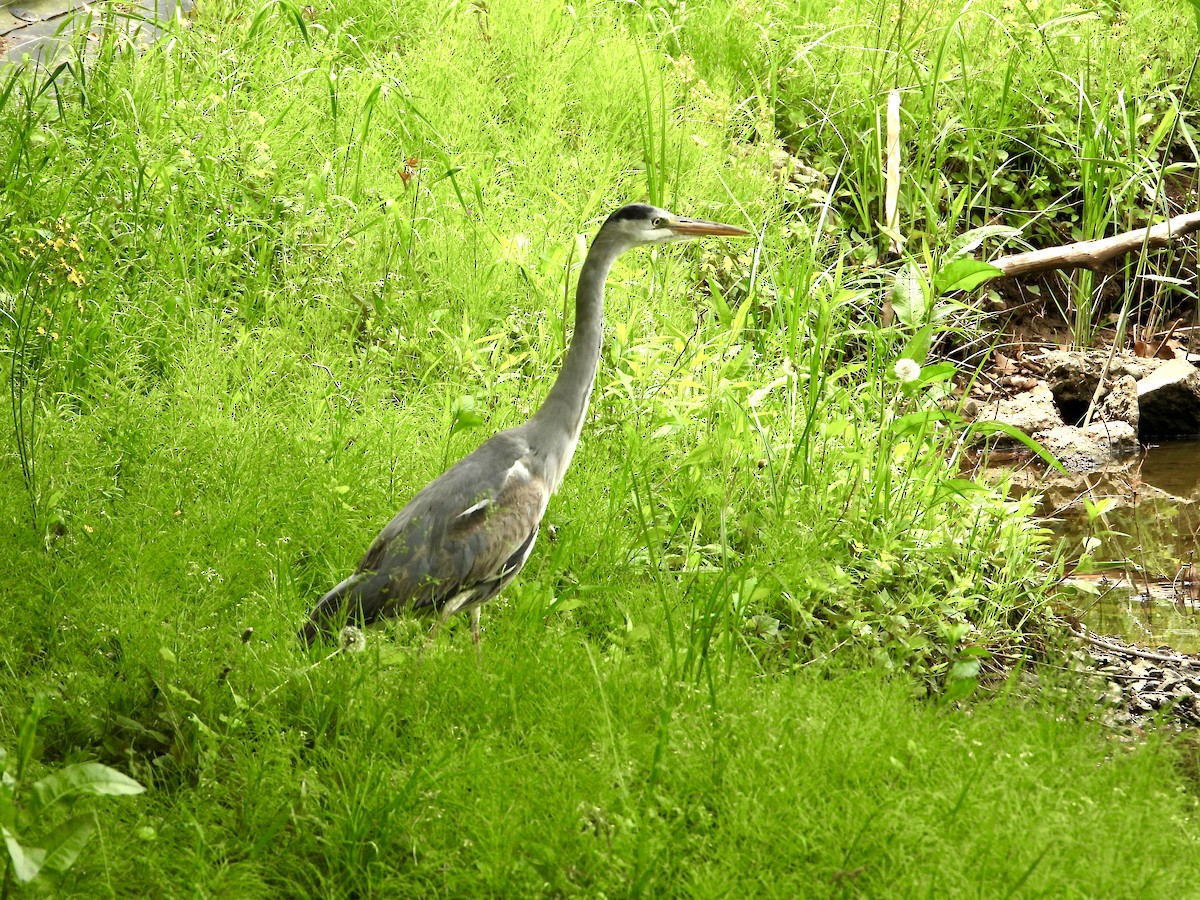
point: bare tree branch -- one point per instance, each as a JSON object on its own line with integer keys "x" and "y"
{"x": 1092, "y": 254}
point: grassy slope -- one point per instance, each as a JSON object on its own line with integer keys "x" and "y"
{"x": 232, "y": 439}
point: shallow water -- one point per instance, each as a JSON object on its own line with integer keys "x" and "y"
{"x": 1139, "y": 561}
{"x": 1160, "y": 617}
{"x": 1174, "y": 467}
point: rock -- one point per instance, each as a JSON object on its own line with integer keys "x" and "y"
{"x": 1029, "y": 412}
{"x": 1113, "y": 695}
{"x": 1140, "y": 667}
{"x": 1147, "y": 691}
{"x": 1139, "y": 397}
{"x": 1120, "y": 404}
{"x": 1088, "y": 364}
{"x": 1072, "y": 375}
{"x": 1169, "y": 398}
{"x": 1085, "y": 449}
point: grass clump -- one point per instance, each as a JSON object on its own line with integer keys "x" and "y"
{"x": 561, "y": 765}
{"x": 314, "y": 263}
{"x": 1065, "y": 122}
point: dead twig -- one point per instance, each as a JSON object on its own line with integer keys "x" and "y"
{"x": 1093, "y": 254}
{"x": 1124, "y": 649}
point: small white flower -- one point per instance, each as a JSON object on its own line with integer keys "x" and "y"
{"x": 1091, "y": 544}
{"x": 352, "y": 640}
{"x": 906, "y": 370}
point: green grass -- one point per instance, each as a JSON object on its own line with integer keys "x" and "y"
{"x": 250, "y": 278}
{"x": 563, "y": 764}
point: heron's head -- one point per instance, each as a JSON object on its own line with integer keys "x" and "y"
{"x": 639, "y": 223}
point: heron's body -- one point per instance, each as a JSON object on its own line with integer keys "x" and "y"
{"x": 467, "y": 533}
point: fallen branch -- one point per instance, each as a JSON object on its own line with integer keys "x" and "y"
{"x": 1092, "y": 254}
{"x": 1126, "y": 650}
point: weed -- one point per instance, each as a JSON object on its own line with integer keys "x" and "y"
{"x": 28, "y": 807}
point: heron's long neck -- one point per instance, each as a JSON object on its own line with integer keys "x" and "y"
{"x": 560, "y": 419}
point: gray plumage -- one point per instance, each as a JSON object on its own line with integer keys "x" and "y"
{"x": 467, "y": 533}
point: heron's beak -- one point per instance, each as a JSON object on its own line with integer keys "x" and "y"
{"x": 697, "y": 227}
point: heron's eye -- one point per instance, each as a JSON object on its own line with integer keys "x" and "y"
{"x": 656, "y": 222}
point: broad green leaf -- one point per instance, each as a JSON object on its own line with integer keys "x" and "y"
{"x": 964, "y": 668}
{"x": 909, "y": 302}
{"x": 738, "y": 364}
{"x": 761, "y": 394}
{"x": 179, "y": 693}
{"x": 845, "y": 372}
{"x": 1097, "y": 508}
{"x": 1084, "y": 586}
{"x": 739, "y": 319}
{"x": 917, "y": 348}
{"x": 463, "y": 415}
{"x": 26, "y": 861}
{"x": 66, "y": 842}
{"x": 959, "y": 689}
{"x": 956, "y": 631}
{"x": 922, "y": 419}
{"x": 81, "y": 778}
{"x": 1196, "y": 8}
{"x": 964, "y": 274}
{"x": 976, "y": 652}
{"x": 8, "y": 809}
{"x": 943, "y": 371}
{"x": 962, "y": 679}
{"x": 970, "y": 241}
{"x": 724, "y": 313}
{"x": 637, "y": 634}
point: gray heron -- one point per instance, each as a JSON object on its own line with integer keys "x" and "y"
{"x": 466, "y": 534}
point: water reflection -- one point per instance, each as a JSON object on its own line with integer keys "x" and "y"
{"x": 1133, "y": 538}
{"x": 1174, "y": 467}
{"x": 1154, "y": 618}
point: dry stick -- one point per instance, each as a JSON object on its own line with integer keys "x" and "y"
{"x": 891, "y": 194}
{"x": 892, "y": 170}
{"x": 1133, "y": 651}
{"x": 1170, "y": 334}
{"x": 1092, "y": 254}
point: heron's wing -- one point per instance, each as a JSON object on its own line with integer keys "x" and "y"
{"x": 485, "y": 545}
{"x": 454, "y": 546}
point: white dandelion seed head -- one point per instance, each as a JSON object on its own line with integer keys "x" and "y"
{"x": 352, "y": 639}
{"x": 906, "y": 370}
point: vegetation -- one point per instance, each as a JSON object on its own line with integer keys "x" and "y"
{"x": 265, "y": 277}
